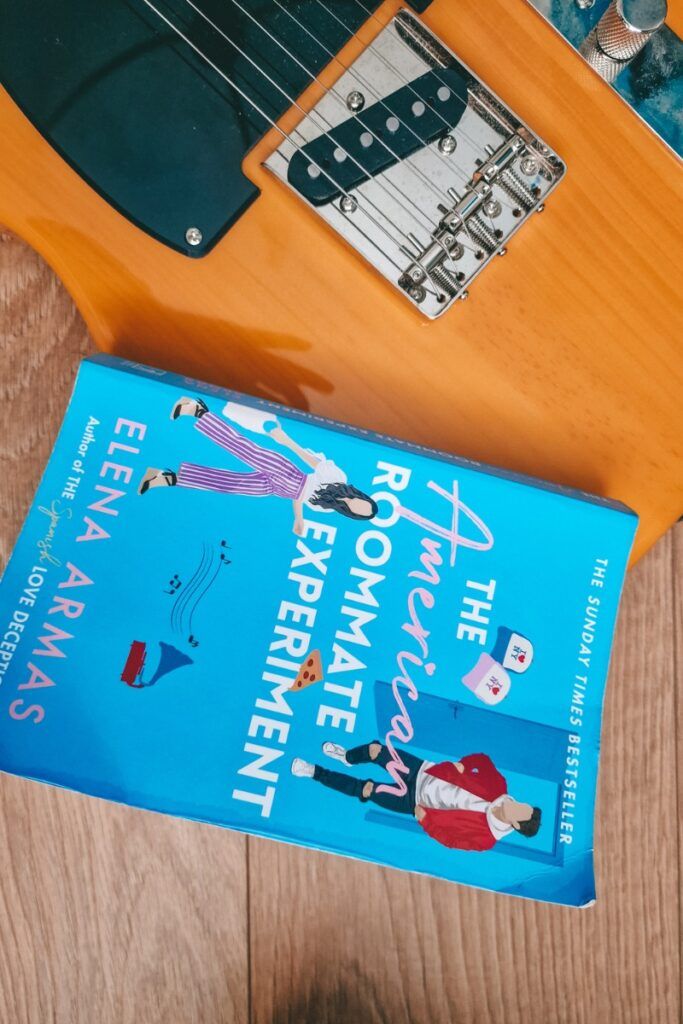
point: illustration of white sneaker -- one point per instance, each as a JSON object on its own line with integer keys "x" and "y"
{"x": 189, "y": 407}
{"x": 302, "y": 769}
{"x": 335, "y": 751}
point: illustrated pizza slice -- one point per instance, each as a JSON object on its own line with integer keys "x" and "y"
{"x": 311, "y": 671}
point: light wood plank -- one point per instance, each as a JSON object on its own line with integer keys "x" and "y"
{"x": 107, "y": 915}
{"x": 117, "y": 916}
{"x": 335, "y": 941}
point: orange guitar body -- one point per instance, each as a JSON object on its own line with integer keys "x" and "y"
{"x": 565, "y": 363}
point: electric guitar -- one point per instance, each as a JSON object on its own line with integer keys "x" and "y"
{"x": 294, "y": 197}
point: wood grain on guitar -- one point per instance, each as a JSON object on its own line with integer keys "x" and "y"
{"x": 564, "y": 362}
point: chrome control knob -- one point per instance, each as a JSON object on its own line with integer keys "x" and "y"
{"x": 626, "y": 26}
{"x": 622, "y": 32}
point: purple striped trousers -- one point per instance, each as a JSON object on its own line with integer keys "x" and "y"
{"x": 271, "y": 472}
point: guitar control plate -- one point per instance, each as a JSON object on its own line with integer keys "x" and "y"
{"x": 419, "y": 166}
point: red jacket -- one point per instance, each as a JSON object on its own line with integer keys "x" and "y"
{"x": 465, "y": 830}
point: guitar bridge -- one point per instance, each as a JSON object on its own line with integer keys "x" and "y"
{"x": 419, "y": 166}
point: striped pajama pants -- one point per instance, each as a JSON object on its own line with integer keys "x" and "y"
{"x": 271, "y": 472}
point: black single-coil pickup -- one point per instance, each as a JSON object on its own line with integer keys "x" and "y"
{"x": 379, "y": 137}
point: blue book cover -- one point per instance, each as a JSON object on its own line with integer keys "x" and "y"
{"x": 227, "y": 610}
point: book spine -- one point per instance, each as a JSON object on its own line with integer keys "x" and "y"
{"x": 198, "y": 387}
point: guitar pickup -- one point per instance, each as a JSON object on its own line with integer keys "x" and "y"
{"x": 418, "y": 165}
{"x": 379, "y": 136}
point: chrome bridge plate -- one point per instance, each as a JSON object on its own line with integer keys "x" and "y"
{"x": 428, "y": 209}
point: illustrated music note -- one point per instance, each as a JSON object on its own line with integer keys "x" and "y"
{"x": 175, "y": 583}
{"x": 192, "y": 640}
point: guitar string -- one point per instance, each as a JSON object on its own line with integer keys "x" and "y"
{"x": 287, "y": 136}
{"x": 406, "y": 82}
{"x": 455, "y": 129}
{"x": 504, "y": 128}
{"x": 342, "y": 101}
{"x": 418, "y": 245}
{"x": 434, "y": 187}
{"x": 371, "y": 47}
{"x": 439, "y": 192}
{"x": 406, "y": 234}
{"x": 472, "y": 245}
{"x": 422, "y": 213}
{"x": 413, "y": 241}
{"x": 387, "y": 63}
{"x": 409, "y": 236}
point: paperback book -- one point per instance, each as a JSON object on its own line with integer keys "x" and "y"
{"x": 235, "y": 612}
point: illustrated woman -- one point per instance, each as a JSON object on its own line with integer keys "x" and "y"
{"x": 324, "y": 488}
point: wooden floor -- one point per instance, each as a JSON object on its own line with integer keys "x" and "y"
{"x": 116, "y": 916}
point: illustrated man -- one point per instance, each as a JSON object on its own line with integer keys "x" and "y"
{"x": 462, "y": 804}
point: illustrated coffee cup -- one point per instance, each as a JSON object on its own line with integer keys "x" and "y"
{"x": 488, "y": 680}
{"x": 514, "y": 651}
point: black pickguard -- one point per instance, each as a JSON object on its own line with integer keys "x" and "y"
{"x": 145, "y": 120}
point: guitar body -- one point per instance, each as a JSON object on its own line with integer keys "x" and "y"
{"x": 564, "y": 363}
